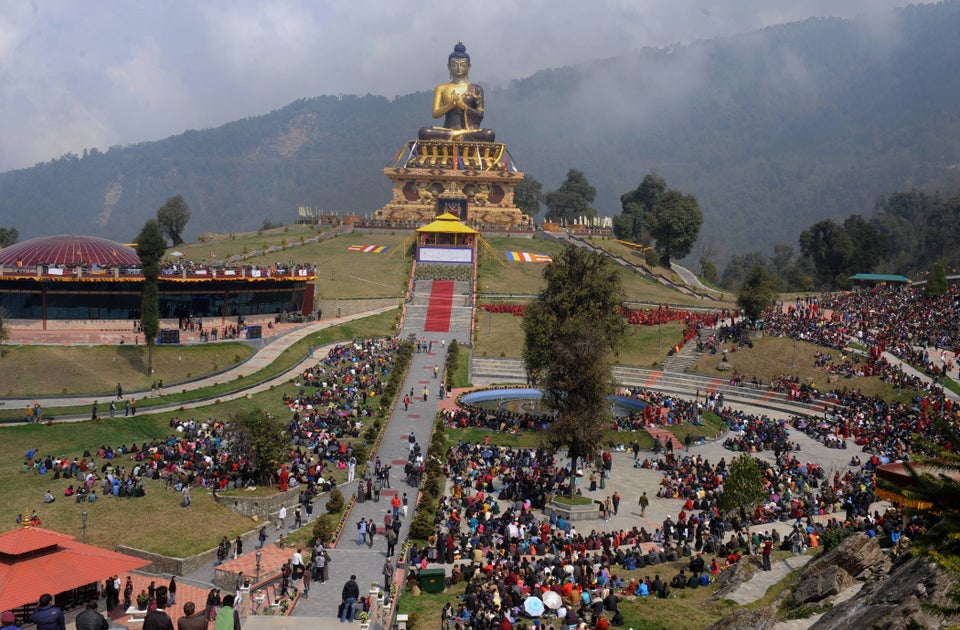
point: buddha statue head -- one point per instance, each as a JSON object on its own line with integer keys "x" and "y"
{"x": 458, "y": 63}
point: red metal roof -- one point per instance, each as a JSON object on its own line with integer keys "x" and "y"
{"x": 35, "y": 566}
{"x": 69, "y": 250}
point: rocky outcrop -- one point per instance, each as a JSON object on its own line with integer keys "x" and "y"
{"x": 747, "y": 620}
{"x": 859, "y": 555}
{"x": 857, "y": 558}
{"x": 730, "y": 579}
{"x": 895, "y": 602}
{"x": 824, "y": 582}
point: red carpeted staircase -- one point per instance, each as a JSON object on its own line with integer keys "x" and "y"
{"x": 441, "y": 304}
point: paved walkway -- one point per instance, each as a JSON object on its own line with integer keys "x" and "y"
{"x": 268, "y": 352}
{"x": 756, "y": 587}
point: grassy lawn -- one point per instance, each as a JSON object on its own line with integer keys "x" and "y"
{"x": 96, "y": 370}
{"x": 500, "y": 335}
{"x": 379, "y": 325}
{"x": 513, "y": 277}
{"x": 771, "y": 357}
{"x": 154, "y": 522}
{"x": 688, "y": 609}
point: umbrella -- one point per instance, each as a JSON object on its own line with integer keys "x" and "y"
{"x": 533, "y": 606}
{"x": 178, "y": 254}
{"x": 552, "y": 600}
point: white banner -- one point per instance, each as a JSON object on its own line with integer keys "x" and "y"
{"x": 445, "y": 254}
{"x": 254, "y": 273}
{"x": 55, "y": 271}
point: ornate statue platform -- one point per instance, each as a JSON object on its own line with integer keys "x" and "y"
{"x": 472, "y": 180}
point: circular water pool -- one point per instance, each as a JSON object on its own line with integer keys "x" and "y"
{"x": 530, "y": 400}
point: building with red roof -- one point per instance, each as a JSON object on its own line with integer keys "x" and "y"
{"x": 34, "y": 561}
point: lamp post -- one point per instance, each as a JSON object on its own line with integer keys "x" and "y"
{"x": 793, "y": 361}
{"x": 83, "y": 527}
{"x": 258, "y": 565}
{"x": 489, "y": 323}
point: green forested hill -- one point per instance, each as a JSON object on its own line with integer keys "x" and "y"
{"x": 772, "y": 131}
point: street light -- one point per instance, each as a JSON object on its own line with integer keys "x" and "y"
{"x": 259, "y": 554}
{"x": 793, "y": 362}
{"x": 83, "y": 526}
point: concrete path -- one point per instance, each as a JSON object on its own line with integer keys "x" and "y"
{"x": 349, "y": 556}
{"x": 262, "y": 358}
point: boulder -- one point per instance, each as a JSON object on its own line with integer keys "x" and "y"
{"x": 723, "y": 366}
{"x": 896, "y": 601}
{"x": 825, "y": 581}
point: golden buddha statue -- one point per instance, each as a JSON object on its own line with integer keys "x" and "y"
{"x": 459, "y": 102}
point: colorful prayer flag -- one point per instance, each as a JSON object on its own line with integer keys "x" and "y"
{"x": 369, "y": 249}
{"x": 528, "y": 257}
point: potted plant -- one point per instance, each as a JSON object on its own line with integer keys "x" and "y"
{"x": 142, "y": 600}
{"x": 364, "y": 618}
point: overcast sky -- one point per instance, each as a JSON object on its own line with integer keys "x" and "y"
{"x": 78, "y": 74}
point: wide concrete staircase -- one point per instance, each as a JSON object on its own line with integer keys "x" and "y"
{"x": 461, "y": 313}
{"x": 684, "y": 360}
{"x": 488, "y": 371}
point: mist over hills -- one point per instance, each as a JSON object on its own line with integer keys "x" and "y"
{"x": 772, "y": 131}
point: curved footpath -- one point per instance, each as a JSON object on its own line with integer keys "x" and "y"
{"x": 262, "y": 358}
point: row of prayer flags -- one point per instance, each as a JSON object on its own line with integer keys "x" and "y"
{"x": 369, "y": 249}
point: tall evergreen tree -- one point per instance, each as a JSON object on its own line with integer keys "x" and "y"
{"x": 150, "y": 249}
{"x": 528, "y": 195}
{"x": 572, "y": 200}
{"x": 570, "y": 333}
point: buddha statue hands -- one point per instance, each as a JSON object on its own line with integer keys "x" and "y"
{"x": 459, "y": 102}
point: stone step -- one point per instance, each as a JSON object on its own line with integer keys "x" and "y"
{"x": 669, "y": 382}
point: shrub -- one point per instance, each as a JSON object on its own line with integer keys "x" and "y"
{"x": 422, "y": 525}
{"x": 360, "y": 452}
{"x": 833, "y": 537}
{"x": 336, "y": 501}
{"x": 323, "y": 527}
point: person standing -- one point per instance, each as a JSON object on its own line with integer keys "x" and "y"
{"x": 228, "y": 617}
{"x": 371, "y": 532}
{"x": 262, "y": 537}
{"x": 387, "y": 574}
{"x": 47, "y": 616}
{"x": 767, "y": 550}
{"x": 616, "y": 503}
{"x": 237, "y": 548}
{"x": 362, "y": 528}
{"x": 158, "y": 619}
{"x": 644, "y": 502}
{"x": 348, "y": 597}
{"x": 172, "y": 589}
{"x": 426, "y": 393}
{"x": 391, "y": 541}
{"x": 281, "y": 516}
{"x": 128, "y": 593}
{"x": 192, "y": 620}
{"x": 90, "y": 619}
{"x": 319, "y": 564}
{"x": 119, "y": 392}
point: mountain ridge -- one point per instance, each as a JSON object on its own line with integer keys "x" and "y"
{"x": 772, "y": 130}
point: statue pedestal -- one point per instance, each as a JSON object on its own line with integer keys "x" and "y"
{"x": 472, "y": 180}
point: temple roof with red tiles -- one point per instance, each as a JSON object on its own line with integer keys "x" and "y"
{"x": 69, "y": 250}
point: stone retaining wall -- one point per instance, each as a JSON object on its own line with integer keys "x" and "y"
{"x": 340, "y": 307}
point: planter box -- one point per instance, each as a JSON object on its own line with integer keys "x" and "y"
{"x": 588, "y": 512}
